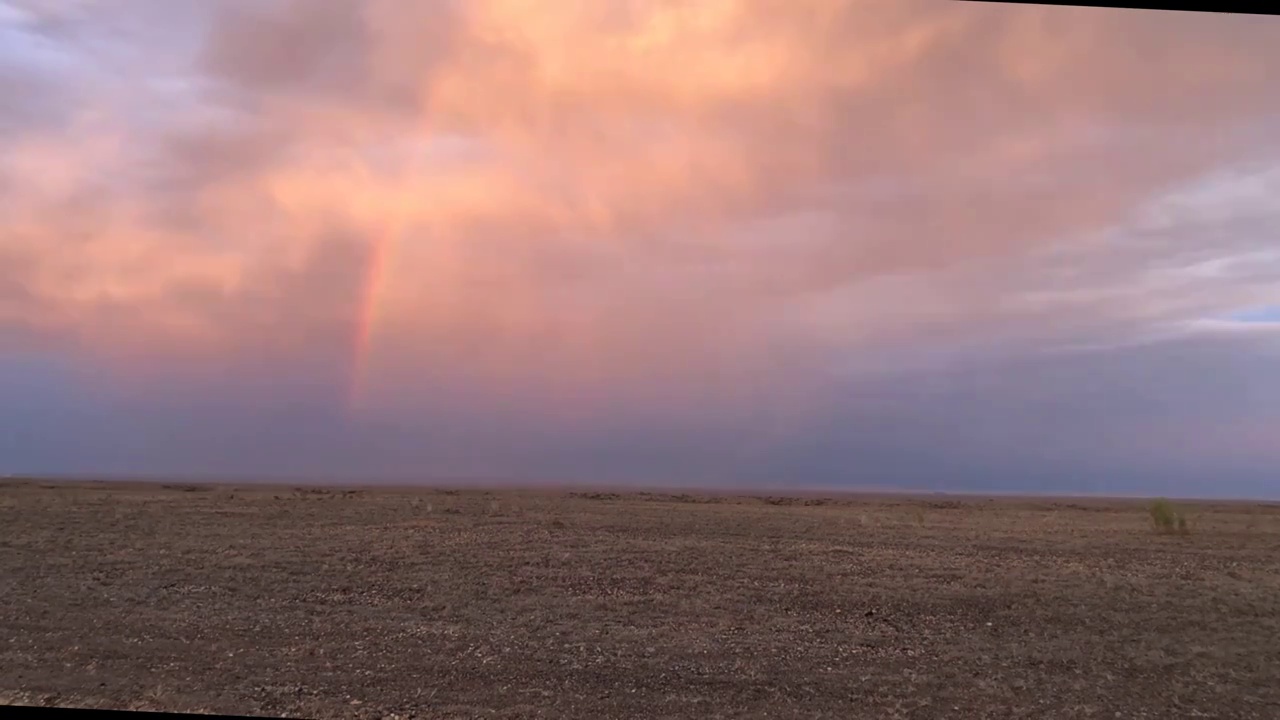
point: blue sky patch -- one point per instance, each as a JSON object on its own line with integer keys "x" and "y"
{"x": 1267, "y": 314}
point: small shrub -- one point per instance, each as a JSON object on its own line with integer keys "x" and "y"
{"x": 1167, "y": 517}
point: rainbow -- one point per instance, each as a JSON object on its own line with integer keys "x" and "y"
{"x": 373, "y": 286}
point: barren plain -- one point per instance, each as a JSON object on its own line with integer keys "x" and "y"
{"x": 432, "y": 603}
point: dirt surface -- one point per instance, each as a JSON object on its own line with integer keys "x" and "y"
{"x": 507, "y": 604}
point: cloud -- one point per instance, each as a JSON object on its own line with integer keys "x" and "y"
{"x": 668, "y": 215}
{"x": 1189, "y": 416}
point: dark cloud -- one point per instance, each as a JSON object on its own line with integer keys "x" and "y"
{"x": 368, "y": 54}
{"x": 1162, "y": 418}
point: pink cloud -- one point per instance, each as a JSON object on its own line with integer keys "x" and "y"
{"x": 677, "y": 197}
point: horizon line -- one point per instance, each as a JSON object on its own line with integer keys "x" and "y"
{"x": 744, "y": 489}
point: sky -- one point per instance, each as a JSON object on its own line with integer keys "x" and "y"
{"x": 905, "y": 244}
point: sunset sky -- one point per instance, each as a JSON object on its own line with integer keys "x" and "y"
{"x": 891, "y": 243}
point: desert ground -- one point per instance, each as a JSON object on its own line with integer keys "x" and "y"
{"x": 320, "y": 603}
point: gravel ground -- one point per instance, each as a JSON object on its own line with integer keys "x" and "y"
{"x": 521, "y": 604}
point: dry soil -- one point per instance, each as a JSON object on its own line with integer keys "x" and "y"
{"x": 522, "y": 604}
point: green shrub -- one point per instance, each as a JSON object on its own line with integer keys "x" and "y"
{"x": 1167, "y": 517}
